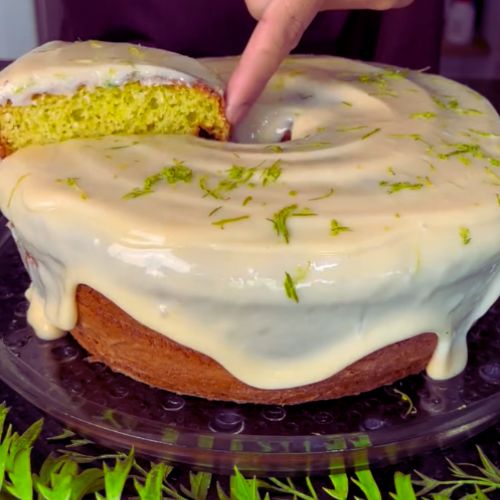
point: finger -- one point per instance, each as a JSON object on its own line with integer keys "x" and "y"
{"x": 276, "y": 34}
{"x": 258, "y": 7}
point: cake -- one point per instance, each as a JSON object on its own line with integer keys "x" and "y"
{"x": 354, "y": 254}
{"x": 63, "y": 91}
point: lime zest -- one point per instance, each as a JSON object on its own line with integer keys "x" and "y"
{"x": 482, "y": 133}
{"x": 427, "y": 115}
{"x": 465, "y": 235}
{"x": 452, "y": 104}
{"x": 222, "y": 222}
{"x": 280, "y": 218}
{"x": 272, "y": 173}
{"x": 351, "y": 129}
{"x": 329, "y": 193}
{"x": 274, "y": 148}
{"x": 16, "y": 187}
{"x": 290, "y": 289}
{"x": 178, "y": 172}
{"x": 372, "y": 132}
{"x": 215, "y": 210}
{"x": 247, "y": 200}
{"x": 72, "y": 182}
{"x": 395, "y": 187}
{"x": 337, "y": 228}
{"x": 493, "y": 176}
{"x": 236, "y": 176}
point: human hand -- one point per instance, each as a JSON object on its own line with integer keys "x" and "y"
{"x": 280, "y": 27}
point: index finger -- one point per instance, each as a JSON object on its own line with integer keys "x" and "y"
{"x": 276, "y": 34}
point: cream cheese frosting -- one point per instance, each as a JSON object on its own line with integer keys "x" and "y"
{"x": 285, "y": 262}
{"x": 60, "y": 68}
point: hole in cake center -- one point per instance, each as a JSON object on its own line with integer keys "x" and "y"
{"x": 264, "y": 128}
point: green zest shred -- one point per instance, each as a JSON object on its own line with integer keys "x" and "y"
{"x": 214, "y": 211}
{"x": 350, "y": 129}
{"x": 329, "y": 193}
{"x": 452, "y": 104}
{"x": 482, "y": 133}
{"x": 337, "y": 228}
{"x": 427, "y": 115}
{"x": 395, "y": 187}
{"x": 72, "y": 182}
{"x": 236, "y": 176}
{"x": 369, "y": 134}
{"x": 495, "y": 178}
{"x": 178, "y": 172}
{"x": 280, "y": 219}
{"x": 274, "y": 148}
{"x": 465, "y": 235}
{"x": 16, "y": 187}
{"x": 289, "y": 287}
{"x": 221, "y": 223}
{"x": 272, "y": 173}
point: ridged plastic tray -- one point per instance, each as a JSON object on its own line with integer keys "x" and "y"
{"x": 411, "y": 416}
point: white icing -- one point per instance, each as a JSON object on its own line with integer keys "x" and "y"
{"x": 405, "y": 266}
{"x": 60, "y": 68}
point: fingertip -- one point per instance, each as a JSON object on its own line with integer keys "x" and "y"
{"x": 235, "y": 113}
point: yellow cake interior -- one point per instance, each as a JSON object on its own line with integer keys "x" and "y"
{"x": 130, "y": 109}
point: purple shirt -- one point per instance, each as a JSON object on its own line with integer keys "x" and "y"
{"x": 407, "y": 37}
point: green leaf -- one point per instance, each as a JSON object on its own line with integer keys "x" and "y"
{"x": 66, "y": 433}
{"x": 244, "y": 489}
{"x": 61, "y": 491}
{"x": 478, "y": 494}
{"x": 88, "y": 482}
{"x": 491, "y": 471}
{"x": 4, "y": 410}
{"x": 221, "y": 494}
{"x": 404, "y": 488}
{"x": 25, "y": 441}
{"x": 340, "y": 484}
{"x": 4, "y": 454}
{"x": 153, "y": 485}
{"x": 367, "y": 484}
{"x": 199, "y": 485}
{"x": 21, "y": 484}
{"x": 114, "y": 479}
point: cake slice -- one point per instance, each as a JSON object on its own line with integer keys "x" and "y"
{"x": 91, "y": 89}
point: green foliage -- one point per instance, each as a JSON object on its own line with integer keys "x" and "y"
{"x": 70, "y": 475}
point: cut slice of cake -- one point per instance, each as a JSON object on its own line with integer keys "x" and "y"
{"x": 90, "y": 89}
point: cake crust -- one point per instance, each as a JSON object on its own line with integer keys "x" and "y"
{"x": 114, "y": 338}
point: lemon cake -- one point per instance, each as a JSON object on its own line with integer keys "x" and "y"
{"x": 358, "y": 252}
{"x": 63, "y": 91}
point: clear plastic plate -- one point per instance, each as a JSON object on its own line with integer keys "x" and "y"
{"x": 408, "y": 417}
